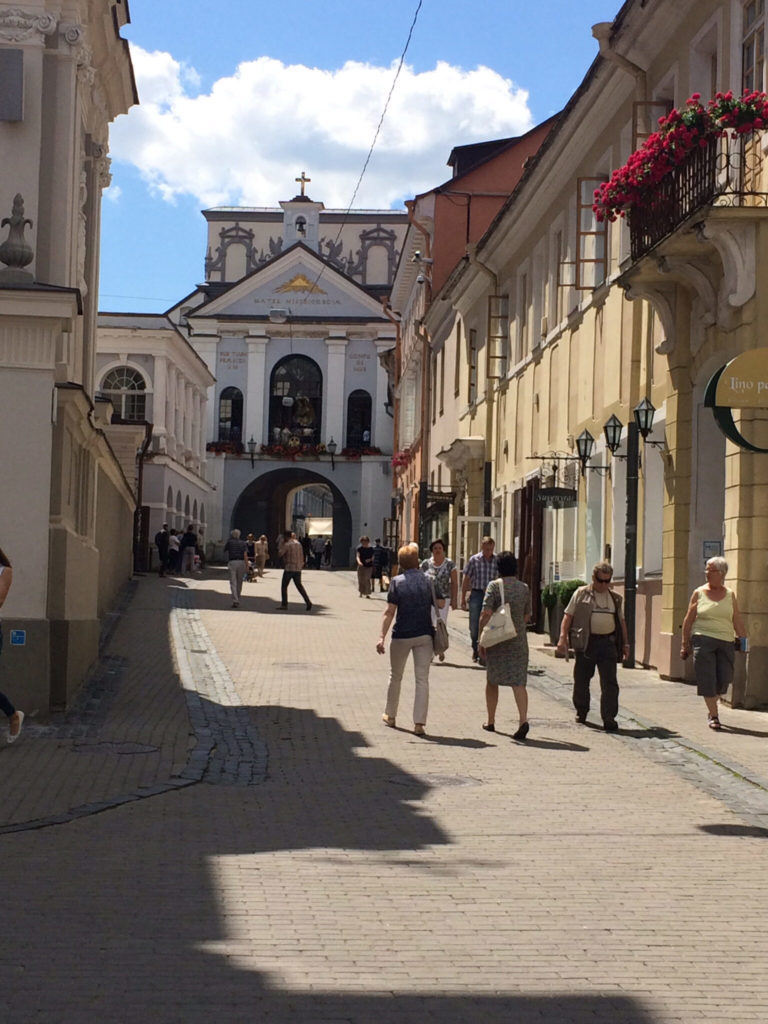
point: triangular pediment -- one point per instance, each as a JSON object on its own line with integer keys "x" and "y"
{"x": 299, "y": 282}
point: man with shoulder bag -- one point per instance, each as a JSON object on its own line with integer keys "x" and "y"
{"x": 594, "y": 628}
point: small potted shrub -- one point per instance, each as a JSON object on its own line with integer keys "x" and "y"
{"x": 549, "y": 602}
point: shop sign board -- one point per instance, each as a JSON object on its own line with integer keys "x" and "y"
{"x": 557, "y": 497}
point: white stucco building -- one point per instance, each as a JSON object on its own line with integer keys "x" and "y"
{"x": 66, "y": 504}
{"x": 152, "y": 375}
{"x": 292, "y": 325}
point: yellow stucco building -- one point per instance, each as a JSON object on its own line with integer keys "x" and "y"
{"x": 558, "y": 321}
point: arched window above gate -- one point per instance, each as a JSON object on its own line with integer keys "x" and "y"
{"x": 231, "y": 415}
{"x": 126, "y": 388}
{"x": 359, "y": 419}
{"x": 295, "y": 401}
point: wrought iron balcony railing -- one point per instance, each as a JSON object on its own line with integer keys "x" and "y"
{"x": 727, "y": 172}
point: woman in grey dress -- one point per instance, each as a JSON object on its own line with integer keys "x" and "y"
{"x": 506, "y": 664}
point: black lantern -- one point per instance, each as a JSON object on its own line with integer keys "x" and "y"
{"x": 331, "y": 449}
{"x": 252, "y": 449}
{"x": 643, "y": 413}
{"x": 612, "y": 430}
{"x": 585, "y": 444}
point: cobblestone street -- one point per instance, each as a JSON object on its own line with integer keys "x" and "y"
{"x": 223, "y": 830}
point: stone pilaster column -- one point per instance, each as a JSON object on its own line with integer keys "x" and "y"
{"x": 174, "y": 416}
{"x": 382, "y": 425}
{"x": 188, "y": 416}
{"x": 202, "y": 424}
{"x": 257, "y": 387}
{"x": 195, "y": 444}
{"x": 159, "y": 396}
{"x": 333, "y": 397}
{"x": 207, "y": 349}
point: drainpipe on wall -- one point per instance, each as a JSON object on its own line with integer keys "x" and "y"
{"x": 141, "y": 558}
{"x": 410, "y": 205}
{"x": 489, "y": 400}
{"x": 603, "y": 32}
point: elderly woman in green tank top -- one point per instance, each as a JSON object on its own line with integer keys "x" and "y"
{"x": 711, "y": 623}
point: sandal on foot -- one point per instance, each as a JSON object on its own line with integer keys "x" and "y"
{"x": 489, "y": 727}
{"x": 388, "y": 720}
{"x": 418, "y": 730}
{"x": 522, "y": 732}
{"x": 714, "y": 722}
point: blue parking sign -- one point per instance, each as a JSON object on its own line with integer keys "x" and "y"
{"x": 18, "y": 637}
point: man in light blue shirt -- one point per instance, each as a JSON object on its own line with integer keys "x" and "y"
{"x": 478, "y": 573}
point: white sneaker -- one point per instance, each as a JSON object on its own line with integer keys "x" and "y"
{"x": 12, "y": 737}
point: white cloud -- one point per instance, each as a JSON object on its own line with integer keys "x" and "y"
{"x": 245, "y": 141}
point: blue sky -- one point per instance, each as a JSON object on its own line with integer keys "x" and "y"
{"x": 239, "y": 96}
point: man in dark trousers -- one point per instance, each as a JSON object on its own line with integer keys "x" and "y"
{"x": 292, "y": 555}
{"x": 161, "y": 543}
{"x": 593, "y": 625}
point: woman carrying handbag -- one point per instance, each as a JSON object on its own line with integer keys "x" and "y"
{"x": 506, "y": 662}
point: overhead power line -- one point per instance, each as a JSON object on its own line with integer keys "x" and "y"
{"x": 376, "y": 133}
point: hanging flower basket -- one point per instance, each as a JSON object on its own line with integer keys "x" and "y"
{"x": 225, "y": 447}
{"x": 292, "y": 449}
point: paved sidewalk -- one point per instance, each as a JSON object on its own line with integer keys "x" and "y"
{"x": 268, "y": 851}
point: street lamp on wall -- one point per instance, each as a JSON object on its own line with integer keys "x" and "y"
{"x": 251, "y": 449}
{"x": 331, "y": 449}
{"x": 612, "y": 430}
{"x": 585, "y": 444}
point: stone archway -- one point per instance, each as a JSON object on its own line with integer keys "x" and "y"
{"x": 260, "y": 508}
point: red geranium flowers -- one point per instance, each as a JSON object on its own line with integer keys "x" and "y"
{"x": 679, "y": 134}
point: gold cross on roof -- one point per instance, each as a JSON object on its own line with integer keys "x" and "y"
{"x": 303, "y": 180}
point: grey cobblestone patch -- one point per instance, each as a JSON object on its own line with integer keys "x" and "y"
{"x": 228, "y": 749}
{"x": 88, "y": 712}
{"x": 742, "y": 791}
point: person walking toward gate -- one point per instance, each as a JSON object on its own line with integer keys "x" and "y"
{"x": 292, "y": 554}
{"x": 236, "y": 551}
{"x": 410, "y": 597}
{"x": 593, "y": 625}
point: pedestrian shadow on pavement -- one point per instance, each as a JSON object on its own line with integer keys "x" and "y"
{"x": 208, "y": 599}
{"x": 724, "y": 727}
{"x": 455, "y": 741}
{"x": 651, "y": 732}
{"x": 544, "y": 744}
{"x": 733, "y": 829}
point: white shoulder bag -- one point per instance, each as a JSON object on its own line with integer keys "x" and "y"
{"x": 500, "y": 626}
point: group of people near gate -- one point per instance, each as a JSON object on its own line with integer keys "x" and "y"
{"x": 593, "y": 627}
{"x": 179, "y": 551}
{"x": 247, "y": 558}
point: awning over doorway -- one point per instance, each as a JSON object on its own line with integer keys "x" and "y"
{"x": 318, "y": 526}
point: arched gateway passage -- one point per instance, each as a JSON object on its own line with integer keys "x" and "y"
{"x": 261, "y": 509}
